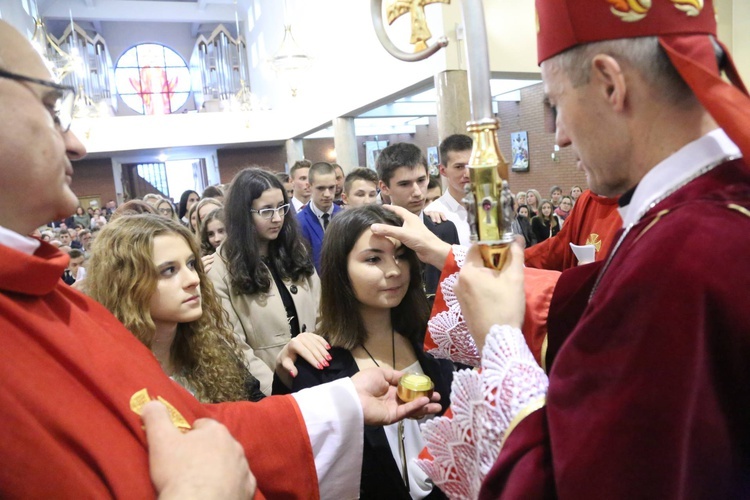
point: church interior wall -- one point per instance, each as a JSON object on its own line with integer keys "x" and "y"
{"x": 233, "y": 160}
{"x": 529, "y": 115}
{"x": 93, "y": 177}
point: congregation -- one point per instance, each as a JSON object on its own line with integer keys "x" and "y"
{"x": 437, "y": 198}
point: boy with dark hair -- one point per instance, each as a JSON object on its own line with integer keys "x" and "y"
{"x": 403, "y": 173}
{"x": 300, "y": 184}
{"x": 339, "y": 183}
{"x": 76, "y": 261}
{"x": 455, "y": 151}
{"x": 317, "y": 214}
{"x": 360, "y": 187}
{"x": 434, "y": 191}
{"x": 286, "y": 180}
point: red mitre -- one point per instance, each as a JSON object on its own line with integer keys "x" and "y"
{"x": 687, "y": 32}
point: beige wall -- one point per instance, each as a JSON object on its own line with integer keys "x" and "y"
{"x": 733, "y": 17}
{"x": 529, "y": 115}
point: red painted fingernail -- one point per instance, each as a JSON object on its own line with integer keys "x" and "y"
{"x": 328, "y": 346}
{"x": 292, "y": 373}
{"x": 320, "y": 366}
{"x": 325, "y": 363}
{"x": 328, "y": 357}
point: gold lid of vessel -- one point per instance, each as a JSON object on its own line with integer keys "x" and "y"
{"x": 414, "y": 385}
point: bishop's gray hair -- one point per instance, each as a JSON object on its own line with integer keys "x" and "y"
{"x": 644, "y": 54}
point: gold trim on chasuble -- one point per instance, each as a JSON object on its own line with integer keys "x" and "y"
{"x": 139, "y": 400}
{"x": 525, "y": 412}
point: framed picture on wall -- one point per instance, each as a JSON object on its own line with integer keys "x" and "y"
{"x": 93, "y": 201}
{"x": 519, "y": 143}
{"x": 372, "y": 151}
{"x": 433, "y": 161}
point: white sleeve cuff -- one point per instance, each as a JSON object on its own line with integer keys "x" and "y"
{"x": 335, "y": 423}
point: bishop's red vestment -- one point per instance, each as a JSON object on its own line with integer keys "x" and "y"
{"x": 650, "y": 394}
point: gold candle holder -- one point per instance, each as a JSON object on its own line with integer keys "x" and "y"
{"x": 414, "y": 385}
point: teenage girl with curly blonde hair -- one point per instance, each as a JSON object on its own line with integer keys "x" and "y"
{"x": 147, "y": 271}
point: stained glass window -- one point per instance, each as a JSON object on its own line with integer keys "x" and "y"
{"x": 152, "y": 79}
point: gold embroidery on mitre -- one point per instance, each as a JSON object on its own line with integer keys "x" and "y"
{"x": 630, "y": 10}
{"x": 690, "y": 7}
{"x": 139, "y": 400}
{"x": 538, "y": 27}
{"x": 593, "y": 239}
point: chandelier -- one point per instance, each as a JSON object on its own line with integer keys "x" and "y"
{"x": 290, "y": 61}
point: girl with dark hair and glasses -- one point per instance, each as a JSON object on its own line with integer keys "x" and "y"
{"x": 374, "y": 313}
{"x": 263, "y": 273}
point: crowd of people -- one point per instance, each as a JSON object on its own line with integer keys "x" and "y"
{"x": 252, "y": 338}
{"x": 238, "y": 291}
{"x": 539, "y": 219}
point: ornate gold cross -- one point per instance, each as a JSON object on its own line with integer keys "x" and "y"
{"x": 420, "y": 33}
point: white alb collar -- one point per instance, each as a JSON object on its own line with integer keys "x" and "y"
{"x": 677, "y": 169}
{"x": 18, "y": 242}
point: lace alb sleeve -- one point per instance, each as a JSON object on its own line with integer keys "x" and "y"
{"x": 464, "y": 446}
{"x": 447, "y": 328}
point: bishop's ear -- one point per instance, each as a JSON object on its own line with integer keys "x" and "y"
{"x": 607, "y": 74}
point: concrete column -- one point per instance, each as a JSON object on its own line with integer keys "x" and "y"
{"x": 294, "y": 152}
{"x": 453, "y": 110}
{"x": 345, "y": 143}
{"x": 117, "y": 176}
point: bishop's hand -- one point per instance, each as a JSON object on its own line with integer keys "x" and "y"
{"x": 376, "y": 388}
{"x": 489, "y": 297}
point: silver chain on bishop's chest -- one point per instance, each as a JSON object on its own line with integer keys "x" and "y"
{"x": 650, "y": 206}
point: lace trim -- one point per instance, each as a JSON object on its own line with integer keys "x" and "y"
{"x": 449, "y": 295}
{"x": 449, "y": 332}
{"x": 459, "y": 254}
{"x": 484, "y": 404}
{"x": 448, "y": 329}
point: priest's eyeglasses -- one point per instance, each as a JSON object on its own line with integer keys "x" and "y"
{"x": 62, "y": 108}
{"x": 268, "y": 213}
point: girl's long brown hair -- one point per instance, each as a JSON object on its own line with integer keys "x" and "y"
{"x": 341, "y": 322}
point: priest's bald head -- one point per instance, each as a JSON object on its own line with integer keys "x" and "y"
{"x": 632, "y": 82}
{"x": 36, "y": 148}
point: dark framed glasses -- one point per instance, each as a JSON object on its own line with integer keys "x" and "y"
{"x": 62, "y": 111}
{"x": 268, "y": 213}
